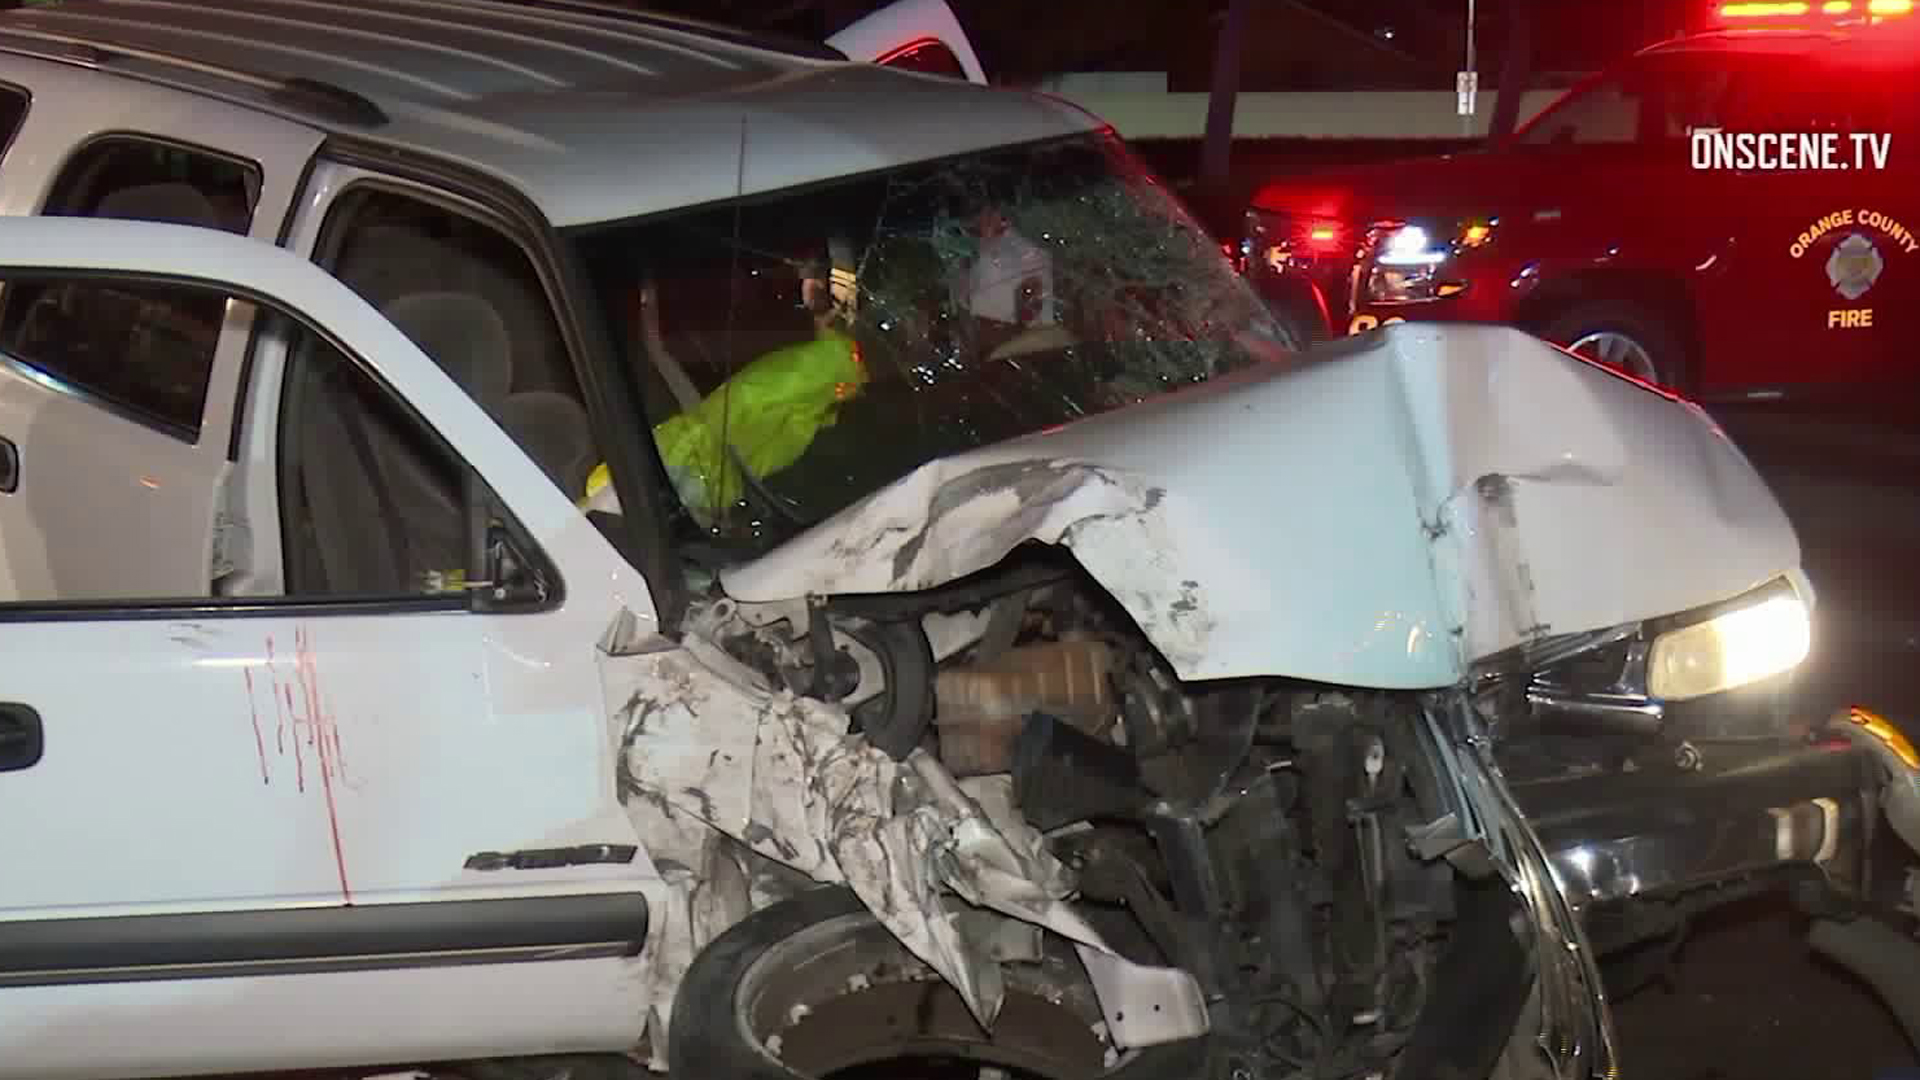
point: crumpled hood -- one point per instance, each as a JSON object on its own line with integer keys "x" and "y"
{"x": 1383, "y": 513}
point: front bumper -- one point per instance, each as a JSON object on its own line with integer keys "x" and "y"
{"x": 1623, "y": 836}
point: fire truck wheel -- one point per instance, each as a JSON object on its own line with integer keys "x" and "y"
{"x": 1625, "y": 337}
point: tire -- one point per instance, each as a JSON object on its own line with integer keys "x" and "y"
{"x": 1666, "y": 356}
{"x": 738, "y": 978}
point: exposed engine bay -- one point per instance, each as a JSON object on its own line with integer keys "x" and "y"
{"x": 1257, "y": 838}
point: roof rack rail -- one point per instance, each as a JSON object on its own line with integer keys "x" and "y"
{"x": 733, "y": 35}
{"x": 323, "y": 98}
{"x": 314, "y": 97}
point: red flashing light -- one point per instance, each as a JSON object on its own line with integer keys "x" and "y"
{"x": 1756, "y": 10}
{"x": 1809, "y": 14}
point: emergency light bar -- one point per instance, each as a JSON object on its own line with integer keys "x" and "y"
{"x": 1811, "y": 14}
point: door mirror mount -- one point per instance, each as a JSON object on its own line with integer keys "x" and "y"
{"x": 510, "y": 580}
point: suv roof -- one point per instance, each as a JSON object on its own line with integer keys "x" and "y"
{"x": 596, "y": 113}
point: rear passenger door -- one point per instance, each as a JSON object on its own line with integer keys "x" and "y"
{"x": 96, "y": 376}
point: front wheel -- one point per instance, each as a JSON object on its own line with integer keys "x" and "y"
{"x": 815, "y": 988}
{"x": 1624, "y": 337}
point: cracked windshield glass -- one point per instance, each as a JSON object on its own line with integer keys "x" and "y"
{"x": 804, "y": 349}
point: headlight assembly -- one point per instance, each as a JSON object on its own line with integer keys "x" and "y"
{"x": 1409, "y": 245}
{"x": 1408, "y": 259}
{"x": 1766, "y": 636}
{"x": 1718, "y": 672}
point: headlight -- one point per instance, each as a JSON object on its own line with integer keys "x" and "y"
{"x": 1407, "y": 260}
{"x": 1409, "y": 245}
{"x": 1749, "y": 643}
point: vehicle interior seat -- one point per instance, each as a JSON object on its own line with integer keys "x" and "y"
{"x": 554, "y": 431}
{"x": 179, "y": 203}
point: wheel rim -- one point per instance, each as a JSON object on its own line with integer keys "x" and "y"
{"x": 843, "y": 1000}
{"x": 1617, "y": 350}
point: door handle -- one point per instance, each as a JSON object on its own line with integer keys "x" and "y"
{"x": 9, "y": 466}
{"x": 22, "y": 740}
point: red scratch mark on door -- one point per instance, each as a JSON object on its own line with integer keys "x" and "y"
{"x": 259, "y": 742}
{"x": 286, "y": 721}
{"x": 325, "y": 738}
{"x": 308, "y": 723}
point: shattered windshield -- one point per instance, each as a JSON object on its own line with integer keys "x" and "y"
{"x": 802, "y": 350}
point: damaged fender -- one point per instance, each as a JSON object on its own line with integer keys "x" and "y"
{"x": 707, "y": 751}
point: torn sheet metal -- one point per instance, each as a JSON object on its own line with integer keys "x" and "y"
{"x": 1347, "y": 486}
{"x": 704, "y": 753}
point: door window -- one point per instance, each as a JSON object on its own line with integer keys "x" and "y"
{"x": 470, "y": 298}
{"x": 373, "y": 503}
{"x": 142, "y": 350}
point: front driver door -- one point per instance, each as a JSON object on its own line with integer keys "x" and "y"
{"x": 372, "y": 821}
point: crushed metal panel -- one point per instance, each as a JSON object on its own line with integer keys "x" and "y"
{"x": 708, "y": 760}
{"x": 1339, "y": 486}
{"x": 948, "y": 520}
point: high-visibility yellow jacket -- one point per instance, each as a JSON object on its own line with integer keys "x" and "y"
{"x": 769, "y": 413}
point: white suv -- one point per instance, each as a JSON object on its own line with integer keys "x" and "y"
{"x": 570, "y": 540}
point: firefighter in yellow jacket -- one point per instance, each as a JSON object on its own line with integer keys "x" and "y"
{"x": 762, "y": 418}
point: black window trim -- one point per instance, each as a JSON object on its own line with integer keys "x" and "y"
{"x": 143, "y": 608}
{"x": 27, "y": 368}
{"x": 26, "y": 108}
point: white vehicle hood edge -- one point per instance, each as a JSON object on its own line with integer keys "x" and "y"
{"x": 1385, "y": 513}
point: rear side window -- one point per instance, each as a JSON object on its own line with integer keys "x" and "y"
{"x": 144, "y": 352}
